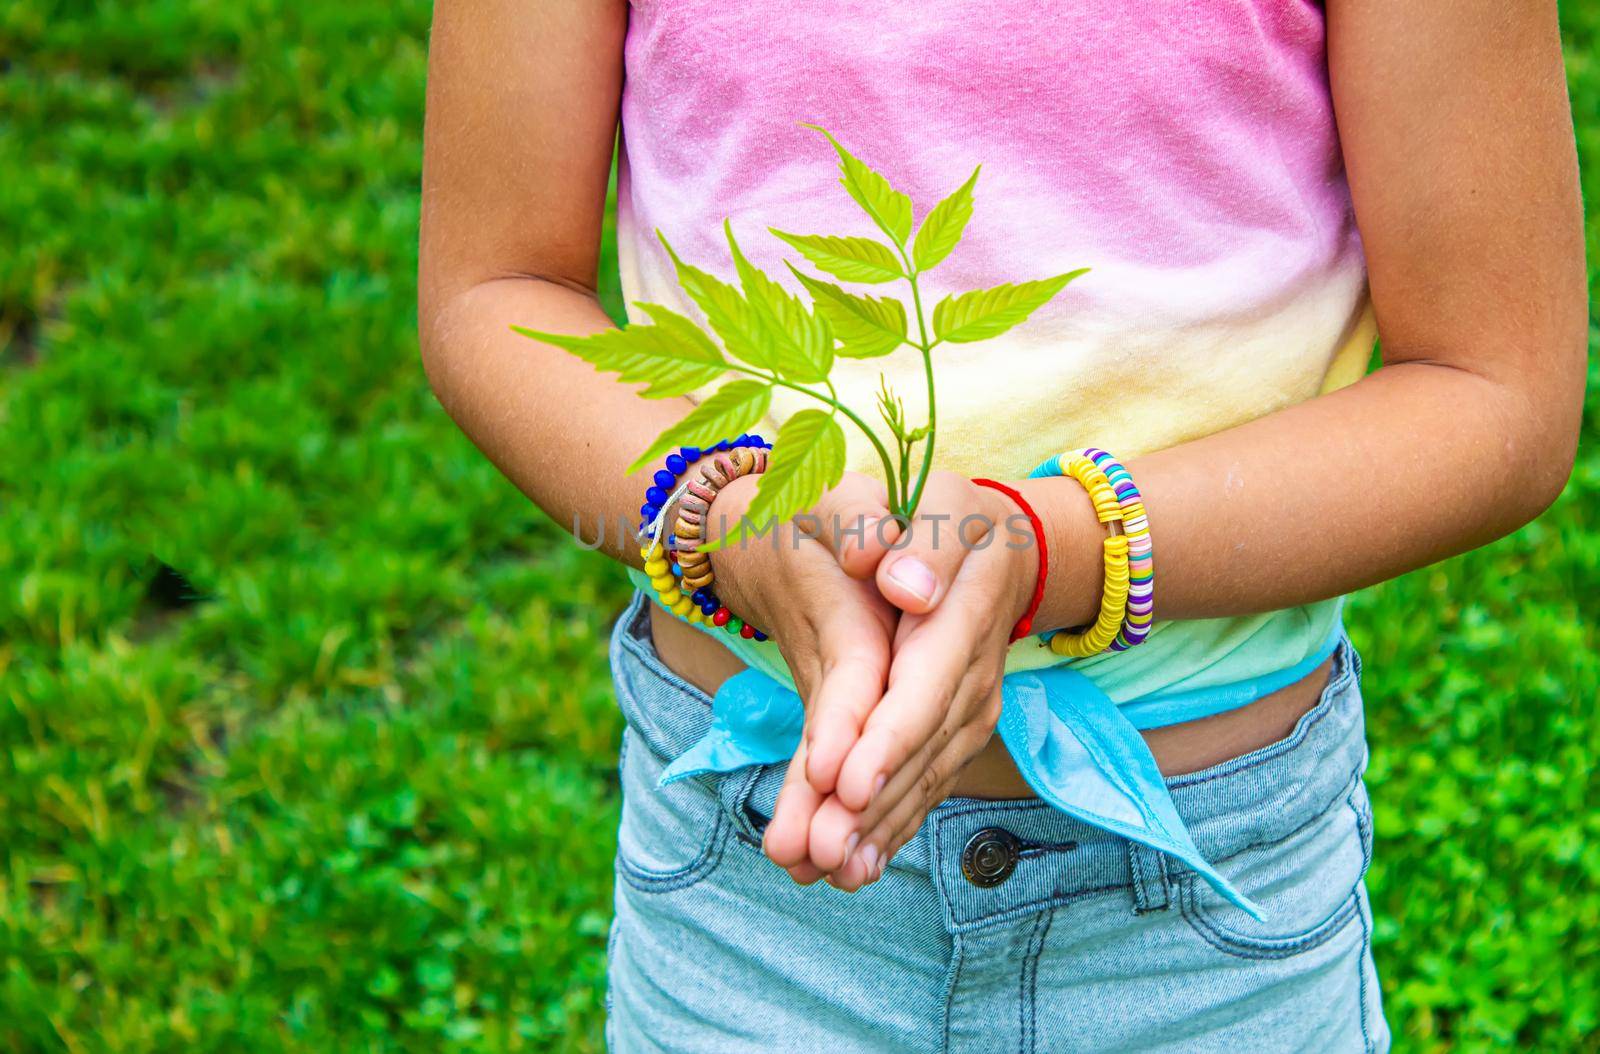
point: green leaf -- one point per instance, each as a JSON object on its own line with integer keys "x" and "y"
{"x": 730, "y": 315}
{"x": 735, "y": 408}
{"x": 866, "y": 326}
{"x": 986, "y": 313}
{"x": 941, "y": 230}
{"x": 889, "y": 209}
{"x": 853, "y": 259}
{"x": 807, "y": 458}
{"x": 802, "y": 345}
{"x": 672, "y": 357}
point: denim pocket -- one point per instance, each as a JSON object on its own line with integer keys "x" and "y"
{"x": 1308, "y": 885}
{"x": 671, "y": 837}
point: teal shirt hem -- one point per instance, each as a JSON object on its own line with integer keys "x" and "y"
{"x": 1176, "y": 675}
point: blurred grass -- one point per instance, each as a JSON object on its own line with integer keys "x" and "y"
{"x": 306, "y": 736}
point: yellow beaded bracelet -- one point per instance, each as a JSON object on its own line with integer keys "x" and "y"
{"x": 1114, "y": 594}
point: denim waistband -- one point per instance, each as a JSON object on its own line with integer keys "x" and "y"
{"x": 1256, "y": 799}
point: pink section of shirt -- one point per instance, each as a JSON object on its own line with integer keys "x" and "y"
{"x": 1179, "y": 135}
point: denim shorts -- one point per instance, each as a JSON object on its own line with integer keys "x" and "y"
{"x": 1002, "y": 925}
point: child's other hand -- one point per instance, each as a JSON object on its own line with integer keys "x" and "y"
{"x": 963, "y": 578}
{"x": 834, "y": 630}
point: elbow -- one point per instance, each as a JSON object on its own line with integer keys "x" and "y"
{"x": 1549, "y": 470}
{"x": 1533, "y": 474}
{"x": 1546, "y": 482}
{"x": 1553, "y": 423}
{"x": 433, "y": 347}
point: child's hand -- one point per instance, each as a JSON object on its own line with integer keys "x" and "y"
{"x": 964, "y": 577}
{"x": 834, "y": 630}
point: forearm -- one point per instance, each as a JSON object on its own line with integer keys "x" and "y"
{"x": 1415, "y": 463}
{"x": 561, "y": 432}
{"x": 1458, "y": 148}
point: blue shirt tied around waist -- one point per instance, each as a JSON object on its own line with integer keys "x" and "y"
{"x": 1074, "y": 747}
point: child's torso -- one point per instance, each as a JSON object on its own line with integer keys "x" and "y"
{"x": 1185, "y": 152}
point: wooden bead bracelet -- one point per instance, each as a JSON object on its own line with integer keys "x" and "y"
{"x": 680, "y": 574}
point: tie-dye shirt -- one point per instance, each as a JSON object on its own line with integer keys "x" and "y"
{"x": 1185, "y": 152}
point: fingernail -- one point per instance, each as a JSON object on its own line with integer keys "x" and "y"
{"x": 915, "y": 576}
{"x": 869, "y": 857}
{"x": 850, "y": 846}
{"x": 877, "y": 787}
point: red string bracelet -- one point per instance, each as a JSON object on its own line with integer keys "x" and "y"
{"x": 1025, "y": 624}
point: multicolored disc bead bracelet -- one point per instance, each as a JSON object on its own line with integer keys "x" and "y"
{"x": 1127, "y": 606}
{"x": 679, "y": 573}
{"x": 1141, "y": 554}
{"x": 1114, "y": 591}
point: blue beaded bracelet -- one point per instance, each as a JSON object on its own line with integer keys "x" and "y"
{"x": 665, "y": 480}
{"x": 660, "y": 495}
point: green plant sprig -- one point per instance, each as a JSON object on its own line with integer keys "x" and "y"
{"x": 772, "y": 339}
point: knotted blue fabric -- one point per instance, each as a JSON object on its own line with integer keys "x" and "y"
{"x": 1077, "y": 749}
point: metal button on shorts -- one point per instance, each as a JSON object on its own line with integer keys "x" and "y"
{"x": 990, "y": 856}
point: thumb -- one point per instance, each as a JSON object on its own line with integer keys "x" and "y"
{"x": 853, "y": 521}
{"x": 952, "y": 519}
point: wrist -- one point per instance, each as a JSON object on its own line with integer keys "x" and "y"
{"x": 1075, "y": 538}
{"x": 1015, "y": 532}
{"x": 733, "y": 565}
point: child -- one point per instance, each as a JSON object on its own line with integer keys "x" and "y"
{"x": 1165, "y": 846}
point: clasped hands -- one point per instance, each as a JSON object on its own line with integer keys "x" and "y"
{"x": 896, "y": 635}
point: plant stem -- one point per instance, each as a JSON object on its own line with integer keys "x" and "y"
{"x": 905, "y": 469}
{"x": 927, "y": 368}
{"x": 927, "y": 449}
{"x": 832, "y": 400}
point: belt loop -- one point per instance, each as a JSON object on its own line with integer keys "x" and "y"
{"x": 733, "y": 791}
{"x": 1151, "y": 885}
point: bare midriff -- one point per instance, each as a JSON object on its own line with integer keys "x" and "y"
{"x": 1178, "y": 749}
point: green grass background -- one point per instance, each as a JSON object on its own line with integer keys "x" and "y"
{"x": 357, "y": 794}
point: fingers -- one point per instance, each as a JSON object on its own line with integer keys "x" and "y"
{"x": 853, "y": 666}
{"x": 836, "y": 826}
{"x": 853, "y": 521}
{"x": 902, "y": 819}
{"x": 849, "y": 688}
{"x": 925, "y": 703}
{"x": 933, "y": 654}
{"x": 805, "y": 874}
{"x": 836, "y": 829}
{"x": 787, "y": 838}
{"x": 897, "y": 838}
{"x": 834, "y": 632}
{"x": 899, "y": 824}
{"x": 951, "y": 518}
{"x": 875, "y": 762}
